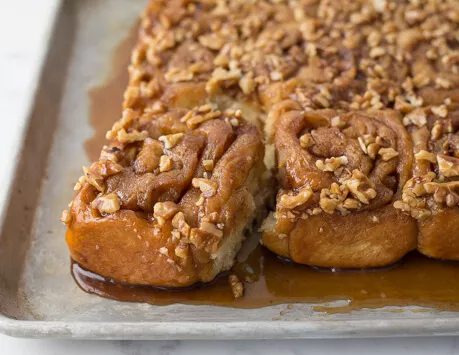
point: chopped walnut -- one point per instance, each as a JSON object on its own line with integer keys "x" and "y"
{"x": 164, "y": 251}
{"x": 236, "y": 286}
{"x": 362, "y": 144}
{"x": 204, "y": 108}
{"x": 134, "y": 136}
{"x": 93, "y": 179}
{"x": 377, "y": 52}
{"x": 443, "y": 83}
{"x": 412, "y": 202}
{"x": 212, "y": 41}
{"x": 373, "y": 150}
{"x": 431, "y": 187}
{"x": 195, "y": 120}
{"x": 109, "y": 203}
{"x": 176, "y": 75}
{"x": 126, "y": 119}
{"x": 234, "y": 122}
{"x": 178, "y": 222}
{"x": 175, "y": 234}
{"x": 165, "y": 210}
{"x": 207, "y": 187}
{"x": 452, "y": 199}
{"x": 181, "y": 250}
{"x": 210, "y": 228}
{"x": 219, "y": 75}
{"x": 208, "y": 164}
{"x": 351, "y": 203}
{"x": 441, "y": 111}
{"x": 200, "y": 201}
{"x": 328, "y": 205}
{"x": 416, "y": 117}
{"x": 387, "y": 153}
{"x": 337, "y": 122}
{"x": 306, "y": 140}
{"x": 331, "y": 164}
{"x": 247, "y": 84}
{"x": 354, "y": 184}
{"x": 276, "y": 76}
{"x": 437, "y": 131}
{"x": 448, "y": 166}
{"x": 290, "y": 202}
{"x": 165, "y": 163}
{"x": 171, "y": 140}
{"x": 66, "y": 217}
{"x": 425, "y": 155}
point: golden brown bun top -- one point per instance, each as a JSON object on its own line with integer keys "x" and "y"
{"x": 334, "y": 162}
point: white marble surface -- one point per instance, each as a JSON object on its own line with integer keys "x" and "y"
{"x": 24, "y": 25}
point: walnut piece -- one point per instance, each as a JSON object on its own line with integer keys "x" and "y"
{"x": 236, "y": 286}
{"x": 93, "y": 179}
{"x": 331, "y": 164}
{"x": 337, "y": 122}
{"x": 425, "y": 155}
{"x": 290, "y": 202}
{"x": 165, "y": 163}
{"x": 387, "y": 153}
{"x": 210, "y": 228}
{"x": 354, "y": 184}
{"x": 208, "y": 164}
{"x": 171, "y": 140}
{"x": 207, "y": 186}
{"x": 165, "y": 210}
{"x": 134, "y": 136}
{"x": 417, "y": 117}
{"x": 448, "y": 166}
{"x": 441, "y": 111}
{"x": 109, "y": 203}
{"x": 181, "y": 250}
{"x": 66, "y": 217}
{"x": 164, "y": 251}
{"x": 247, "y": 84}
{"x": 180, "y": 224}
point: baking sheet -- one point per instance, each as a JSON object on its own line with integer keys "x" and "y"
{"x": 38, "y": 297}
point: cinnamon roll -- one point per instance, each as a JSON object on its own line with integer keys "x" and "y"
{"x": 339, "y": 175}
{"x": 169, "y": 200}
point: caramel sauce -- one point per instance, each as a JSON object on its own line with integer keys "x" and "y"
{"x": 415, "y": 281}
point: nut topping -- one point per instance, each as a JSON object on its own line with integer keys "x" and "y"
{"x": 448, "y": 166}
{"x": 109, "y": 203}
{"x": 165, "y": 210}
{"x": 171, "y": 140}
{"x": 290, "y": 202}
{"x": 236, "y": 286}
{"x": 207, "y": 187}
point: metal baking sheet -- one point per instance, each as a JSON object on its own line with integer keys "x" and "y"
{"x": 38, "y": 297}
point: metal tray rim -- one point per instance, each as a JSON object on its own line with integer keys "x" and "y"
{"x": 218, "y": 330}
{"x": 233, "y": 330}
